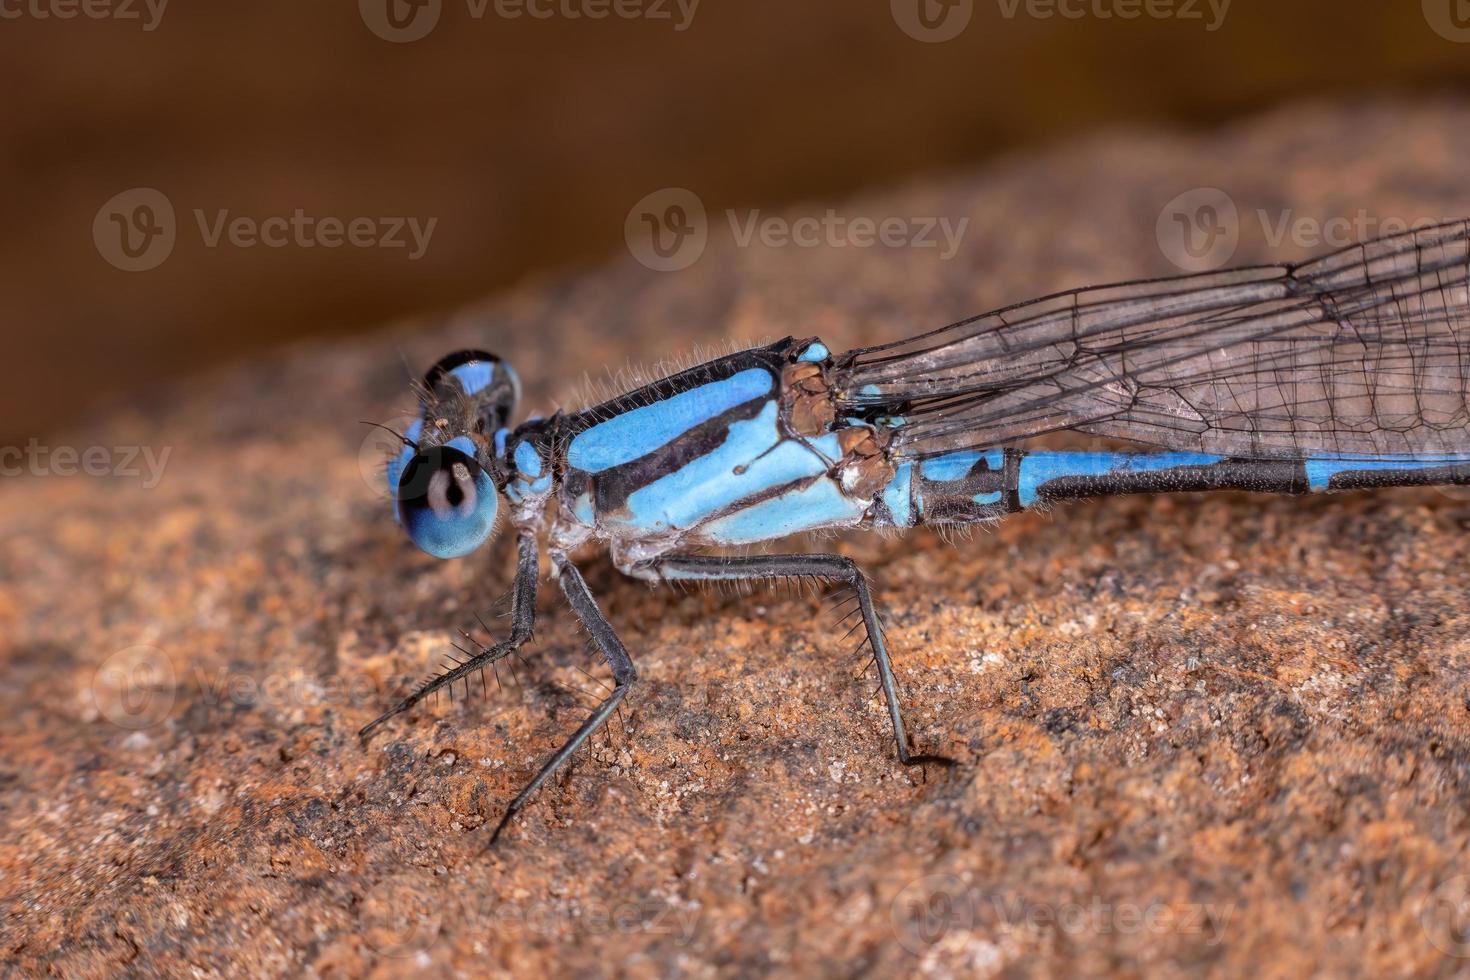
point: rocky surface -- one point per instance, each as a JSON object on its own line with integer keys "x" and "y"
{"x": 1219, "y": 734}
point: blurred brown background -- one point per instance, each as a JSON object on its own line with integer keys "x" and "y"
{"x": 530, "y": 138}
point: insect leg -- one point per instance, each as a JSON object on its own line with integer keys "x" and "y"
{"x": 829, "y": 567}
{"x": 616, "y": 655}
{"x": 522, "y": 618}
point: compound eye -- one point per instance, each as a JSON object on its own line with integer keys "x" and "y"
{"x": 487, "y": 381}
{"x": 451, "y": 492}
{"x": 446, "y": 502}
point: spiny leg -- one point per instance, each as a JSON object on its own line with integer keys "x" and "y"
{"x": 522, "y": 619}
{"x": 831, "y": 567}
{"x": 623, "y": 672}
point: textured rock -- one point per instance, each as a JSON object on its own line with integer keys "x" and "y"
{"x": 1221, "y": 733}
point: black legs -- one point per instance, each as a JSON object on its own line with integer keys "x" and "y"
{"x": 829, "y": 567}
{"x": 624, "y": 674}
{"x": 522, "y": 619}
{"x": 675, "y": 569}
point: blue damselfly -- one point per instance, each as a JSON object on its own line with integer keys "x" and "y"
{"x": 1346, "y": 372}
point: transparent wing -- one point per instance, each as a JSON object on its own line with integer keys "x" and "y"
{"x": 1366, "y": 352}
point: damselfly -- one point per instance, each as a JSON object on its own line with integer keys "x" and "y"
{"x": 1347, "y": 372}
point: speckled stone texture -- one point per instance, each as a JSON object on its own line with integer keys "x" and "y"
{"x": 1217, "y": 735}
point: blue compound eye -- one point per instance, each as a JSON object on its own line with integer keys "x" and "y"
{"x": 446, "y": 502}
{"x": 481, "y": 380}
